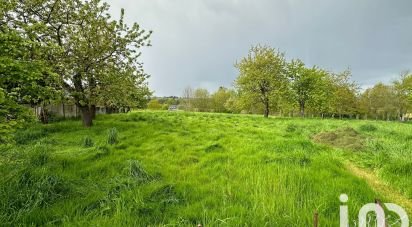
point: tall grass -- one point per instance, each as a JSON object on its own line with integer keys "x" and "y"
{"x": 112, "y": 137}
{"x": 185, "y": 169}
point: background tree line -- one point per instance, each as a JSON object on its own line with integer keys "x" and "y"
{"x": 269, "y": 84}
{"x": 59, "y": 50}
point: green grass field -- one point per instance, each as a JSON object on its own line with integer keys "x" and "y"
{"x": 185, "y": 169}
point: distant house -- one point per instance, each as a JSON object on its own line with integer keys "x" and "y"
{"x": 407, "y": 116}
{"x": 173, "y": 108}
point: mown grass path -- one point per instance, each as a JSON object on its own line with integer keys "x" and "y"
{"x": 380, "y": 187}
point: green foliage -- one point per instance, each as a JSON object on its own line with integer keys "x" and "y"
{"x": 22, "y": 80}
{"x": 112, "y": 136}
{"x": 308, "y": 86}
{"x": 201, "y": 100}
{"x": 94, "y": 56}
{"x": 220, "y": 100}
{"x": 154, "y": 104}
{"x": 12, "y": 118}
{"x": 262, "y": 76}
{"x": 344, "y": 94}
{"x": 26, "y": 77}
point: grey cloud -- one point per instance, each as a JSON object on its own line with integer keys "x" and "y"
{"x": 196, "y": 42}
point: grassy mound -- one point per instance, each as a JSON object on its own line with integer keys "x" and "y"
{"x": 345, "y": 138}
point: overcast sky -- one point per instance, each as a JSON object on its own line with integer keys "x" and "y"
{"x": 196, "y": 42}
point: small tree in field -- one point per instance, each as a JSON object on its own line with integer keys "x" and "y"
{"x": 92, "y": 50}
{"x": 154, "y": 104}
{"x": 188, "y": 98}
{"x": 344, "y": 94}
{"x": 201, "y": 100}
{"x": 262, "y": 76}
{"x": 305, "y": 84}
{"x": 403, "y": 94}
{"x": 219, "y": 99}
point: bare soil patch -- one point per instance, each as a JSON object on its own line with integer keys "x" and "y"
{"x": 345, "y": 138}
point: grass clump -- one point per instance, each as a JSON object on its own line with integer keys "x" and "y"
{"x": 88, "y": 142}
{"x": 26, "y": 136}
{"x": 295, "y": 158}
{"x": 102, "y": 151}
{"x": 345, "y": 138}
{"x": 368, "y": 128}
{"x": 28, "y": 190}
{"x": 137, "y": 172}
{"x": 214, "y": 148}
{"x": 291, "y": 128}
{"x": 40, "y": 155}
{"x": 166, "y": 194}
{"x": 112, "y": 136}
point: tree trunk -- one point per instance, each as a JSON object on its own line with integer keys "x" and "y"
{"x": 87, "y": 117}
{"x": 302, "y": 109}
{"x": 93, "y": 111}
{"x": 266, "y": 113}
{"x": 64, "y": 111}
{"x": 44, "y": 115}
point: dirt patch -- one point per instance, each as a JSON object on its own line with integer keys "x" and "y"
{"x": 345, "y": 138}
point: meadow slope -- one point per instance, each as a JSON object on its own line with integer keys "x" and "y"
{"x": 185, "y": 169}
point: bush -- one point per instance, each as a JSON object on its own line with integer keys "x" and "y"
{"x": 88, "y": 142}
{"x": 154, "y": 104}
{"x": 12, "y": 117}
{"x": 112, "y": 136}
